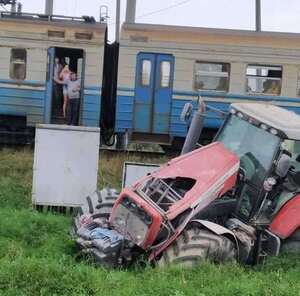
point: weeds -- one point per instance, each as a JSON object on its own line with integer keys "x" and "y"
{"x": 37, "y": 255}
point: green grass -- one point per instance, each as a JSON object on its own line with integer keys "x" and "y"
{"x": 37, "y": 255}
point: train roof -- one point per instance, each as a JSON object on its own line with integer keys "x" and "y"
{"x": 154, "y": 32}
{"x": 282, "y": 120}
{"x": 218, "y": 31}
{"x": 82, "y": 31}
{"x": 84, "y": 22}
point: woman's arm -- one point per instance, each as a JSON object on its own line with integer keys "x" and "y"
{"x": 62, "y": 82}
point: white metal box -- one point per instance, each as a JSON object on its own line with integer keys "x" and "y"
{"x": 65, "y": 165}
{"x": 133, "y": 171}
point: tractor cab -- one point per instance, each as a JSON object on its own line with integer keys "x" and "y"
{"x": 266, "y": 139}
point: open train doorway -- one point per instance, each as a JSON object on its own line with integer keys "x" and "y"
{"x": 59, "y": 104}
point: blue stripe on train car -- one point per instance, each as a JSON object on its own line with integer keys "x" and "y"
{"x": 91, "y": 108}
{"x": 221, "y": 101}
{"x": 30, "y": 102}
{"x": 23, "y": 102}
{"x": 124, "y": 111}
{"x": 178, "y": 128}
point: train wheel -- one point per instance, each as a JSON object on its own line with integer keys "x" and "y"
{"x": 196, "y": 245}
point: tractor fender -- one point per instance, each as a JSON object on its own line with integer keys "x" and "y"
{"x": 287, "y": 220}
{"x": 218, "y": 230}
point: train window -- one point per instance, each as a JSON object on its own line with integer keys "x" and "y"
{"x": 264, "y": 79}
{"x": 146, "y": 73}
{"x": 18, "y": 60}
{"x": 211, "y": 76}
{"x": 165, "y": 71}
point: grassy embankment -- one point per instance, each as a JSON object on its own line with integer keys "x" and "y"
{"x": 37, "y": 256}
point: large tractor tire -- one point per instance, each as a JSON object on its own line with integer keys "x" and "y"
{"x": 105, "y": 203}
{"x": 292, "y": 244}
{"x": 99, "y": 205}
{"x": 196, "y": 245}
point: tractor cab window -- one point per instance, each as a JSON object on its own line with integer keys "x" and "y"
{"x": 293, "y": 147}
{"x": 247, "y": 140}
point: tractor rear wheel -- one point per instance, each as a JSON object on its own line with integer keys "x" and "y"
{"x": 196, "y": 245}
{"x": 292, "y": 244}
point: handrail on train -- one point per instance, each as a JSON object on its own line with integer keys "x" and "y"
{"x": 45, "y": 17}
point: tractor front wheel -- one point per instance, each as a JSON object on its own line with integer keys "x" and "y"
{"x": 99, "y": 205}
{"x": 292, "y": 244}
{"x": 197, "y": 245}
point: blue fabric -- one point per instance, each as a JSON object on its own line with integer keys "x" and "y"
{"x": 103, "y": 233}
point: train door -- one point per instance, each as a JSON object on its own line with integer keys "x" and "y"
{"x": 153, "y": 93}
{"x": 49, "y": 84}
{"x": 54, "y": 95}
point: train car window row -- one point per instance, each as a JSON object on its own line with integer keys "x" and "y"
{"x": 264, "y": 79}
{"x": 18, "y": 60}
{"x": 211, "y": 76}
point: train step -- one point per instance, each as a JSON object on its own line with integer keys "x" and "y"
{"x": 65, "y": 210}
{"x": 151, "y": 138}
{"x": 59, "y": 120}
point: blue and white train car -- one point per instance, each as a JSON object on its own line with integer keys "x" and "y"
{"x": 163, "y": 67}
{"x": 28, "y": 46}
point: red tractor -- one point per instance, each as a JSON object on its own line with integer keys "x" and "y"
{"x": 235, "y": 199}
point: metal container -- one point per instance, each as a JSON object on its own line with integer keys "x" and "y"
{"x": 65, "y": 165}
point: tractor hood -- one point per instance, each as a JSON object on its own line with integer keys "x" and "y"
{"x": 212, "y": 170}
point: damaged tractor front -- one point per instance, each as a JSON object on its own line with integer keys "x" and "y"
{"x": 235, "y": 199}
{"x": 150, "y": 215}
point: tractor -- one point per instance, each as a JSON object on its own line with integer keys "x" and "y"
{"x": 236, "y": 199}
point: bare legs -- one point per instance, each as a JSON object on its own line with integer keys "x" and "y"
{"x": 65, "y": 106}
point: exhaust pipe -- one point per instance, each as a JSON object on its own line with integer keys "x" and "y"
{"x": 195, "y": 129}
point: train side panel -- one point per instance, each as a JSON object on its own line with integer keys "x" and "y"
{"x": 189, "y": 46}
{"x": 26, "y": 97}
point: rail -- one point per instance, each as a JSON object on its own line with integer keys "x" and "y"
{"x": 47, "y": 18}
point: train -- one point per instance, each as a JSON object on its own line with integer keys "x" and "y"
{"x": 135, "y": 89}
{"x": 29, "y": 45}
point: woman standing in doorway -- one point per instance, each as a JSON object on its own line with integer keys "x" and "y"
{"x": 65, "y": 76}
